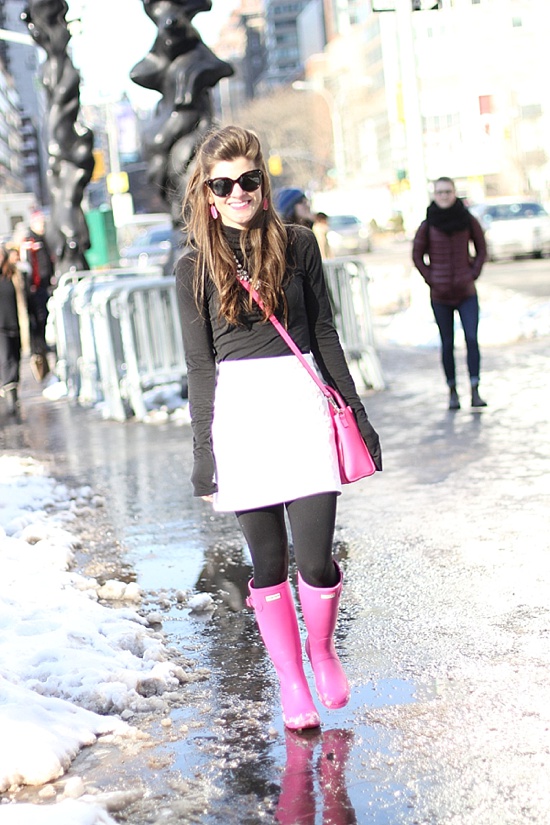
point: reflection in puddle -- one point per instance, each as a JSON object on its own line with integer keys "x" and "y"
{"x": 311, "y": 785}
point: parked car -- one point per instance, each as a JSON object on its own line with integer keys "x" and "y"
{"x": 514, "y": 227}
{"x": 138, "y": 224}
{"x": 150, "y": 248}
{"x": 347, "y": 235}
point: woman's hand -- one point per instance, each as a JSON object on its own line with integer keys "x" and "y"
{"x": 371, "y": 439}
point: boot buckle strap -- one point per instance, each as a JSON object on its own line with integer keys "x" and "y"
{"x": 258, "y": 605}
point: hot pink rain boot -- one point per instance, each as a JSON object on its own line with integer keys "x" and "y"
{"x": 320, "y": 609}
{"x": 297, "y": 799}
{"x": 276, "y": 617}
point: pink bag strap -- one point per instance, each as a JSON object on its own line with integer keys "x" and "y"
{"x": 328, "y": 392}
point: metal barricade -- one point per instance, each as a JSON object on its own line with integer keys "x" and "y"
{"x": 151, "y": 339}
{"x": 131, "y": 342}
{"x": 69, "y": 329}
{"x": 118, "y": 334}
{"x": 63, "y": 331}
{"x": 348, "y": 282}
{"x": 101, "y": 365}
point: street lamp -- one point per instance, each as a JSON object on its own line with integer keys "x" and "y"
{"x": 416, "y": 171}
{"x": 336, "y": 123}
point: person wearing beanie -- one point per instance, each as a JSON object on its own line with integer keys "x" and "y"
{"x": 451, "y": 270}
{"x": 293, "y": 207}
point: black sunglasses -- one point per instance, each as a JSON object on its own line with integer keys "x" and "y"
{"x": 248, "y": 181}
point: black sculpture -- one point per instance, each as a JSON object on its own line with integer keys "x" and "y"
{"x": 183, "y": 69}
{"x": 70, "y": 144}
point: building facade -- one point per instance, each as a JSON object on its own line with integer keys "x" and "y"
{"x": 22, "y": 62}
{"x": 11, "y": 143}
{"x": 242, "y": 44}
{"x": 284, "y": 62}
{"x": 457, "y": 91}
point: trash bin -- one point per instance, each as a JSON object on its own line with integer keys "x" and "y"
{"x": 103, "y": 250}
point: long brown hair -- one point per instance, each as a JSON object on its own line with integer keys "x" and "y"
{"x": 6, "y": 267}
{"x": 263, "y": 242}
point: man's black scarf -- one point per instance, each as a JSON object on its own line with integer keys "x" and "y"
{"x": 454, "y": 219}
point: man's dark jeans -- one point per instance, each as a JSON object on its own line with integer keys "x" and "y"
{"x": 469, "y": 317}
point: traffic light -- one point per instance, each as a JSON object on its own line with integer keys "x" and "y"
{"x": 99, "y": 165}
{"x": 275, "y": 165}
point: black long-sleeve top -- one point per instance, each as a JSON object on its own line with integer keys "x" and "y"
{"x": 208, "y": 339}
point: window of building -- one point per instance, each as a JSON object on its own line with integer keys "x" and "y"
{"x": 485, "y": 104}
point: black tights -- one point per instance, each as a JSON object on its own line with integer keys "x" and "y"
{"x": 312, "y": 522}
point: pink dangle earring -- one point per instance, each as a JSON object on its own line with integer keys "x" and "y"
{"x": 265, "y": 204}
{"x": 213, "y": 211}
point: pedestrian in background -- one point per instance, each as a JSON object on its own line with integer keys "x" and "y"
{"x": 262, "y": 434}
{"x": 13, "y": 326}
{"x": 451, "y": 271}
{"x": 36, "y": 252}
{"x": 320, "y": 230}
{"x": 22, "y": 291}
{"x": 293, "y": 206}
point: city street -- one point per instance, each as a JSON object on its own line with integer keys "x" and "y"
{"x": 444, "y": 621}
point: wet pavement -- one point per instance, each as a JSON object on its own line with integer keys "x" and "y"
{"x": 444, "y": 628}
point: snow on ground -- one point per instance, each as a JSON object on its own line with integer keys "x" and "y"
{"x": 505, "y": 317}
{"x": 66, "y": 661}
{"x": 66, "y": 812}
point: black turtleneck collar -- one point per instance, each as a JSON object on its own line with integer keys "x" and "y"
{"x": 454, "y": 219}
{"x": 232, "y": 236}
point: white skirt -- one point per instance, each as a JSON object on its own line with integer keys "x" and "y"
{"x": 271, "y": 433}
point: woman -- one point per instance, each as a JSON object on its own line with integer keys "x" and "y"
{"x": 293, "y": 206}
{"x": 451, "y": 273}
{"x": 13, "y": 325}
{"x": 261, "y": 428}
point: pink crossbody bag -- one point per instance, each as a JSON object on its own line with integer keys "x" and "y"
{"x": 354, "y": 459}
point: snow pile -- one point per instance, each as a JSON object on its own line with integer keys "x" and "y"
{"x": 505, "y": 317}
{"x": 66, "y": 812}
{"x": 163, "y": 403}
{"x": 65, "y": 659}
{"x": 41, "y": 736}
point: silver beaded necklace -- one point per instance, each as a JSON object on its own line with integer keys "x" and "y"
{"x": 242, "y": 273}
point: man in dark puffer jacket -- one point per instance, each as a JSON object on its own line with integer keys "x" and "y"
{"x": 451, "y": 271}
